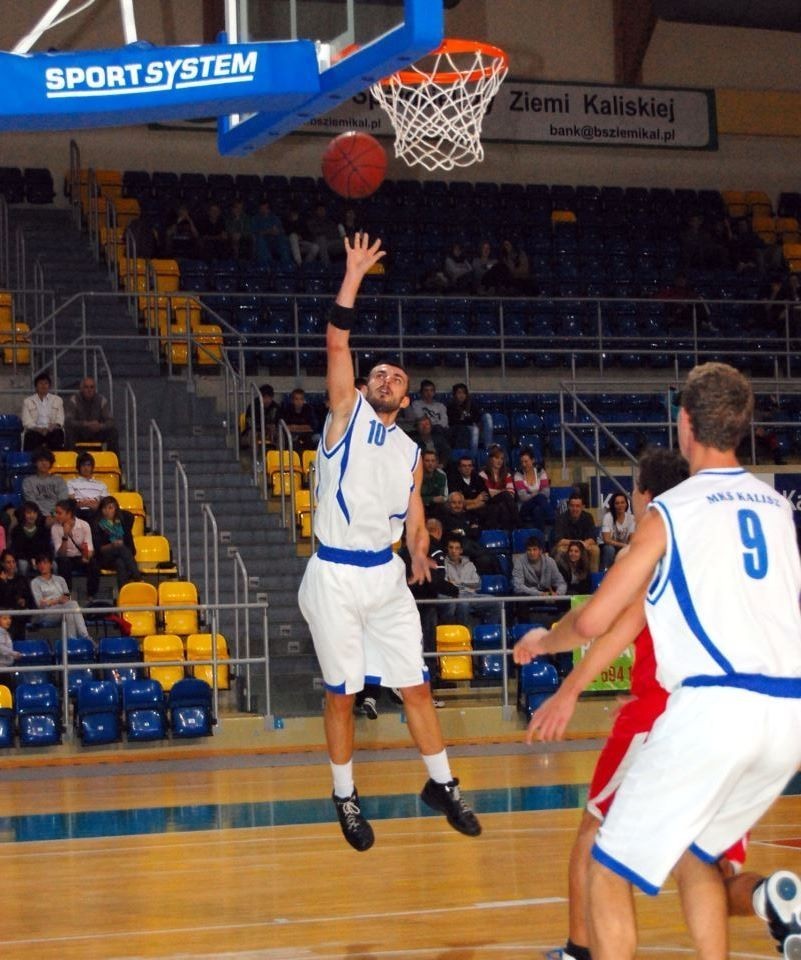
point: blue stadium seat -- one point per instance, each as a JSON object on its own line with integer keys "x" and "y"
{"x": 521, "y": 536}
{"x": 35, "y": 652}
{"x": 97, "y": 712}
{"x": 190, "y": 709}
{"x": 6, "y": 718}
{"x": 536, "y": 682}
{"x": 487, "y": 636}
{"x": 143, "y": 706}
{"x": 80, "y": 652}
{"x": 496, "y": 541}
{"x": 36, "y": 708}
{"x": 120, "y": 650}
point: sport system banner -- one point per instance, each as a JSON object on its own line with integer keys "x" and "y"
{"x": 577, "y": 114}
{"x": 140, "y": 83}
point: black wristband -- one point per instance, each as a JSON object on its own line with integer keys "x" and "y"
{"x": 341, "y": 317}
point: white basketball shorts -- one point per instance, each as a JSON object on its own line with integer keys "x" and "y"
{"x": 364, "y": 624}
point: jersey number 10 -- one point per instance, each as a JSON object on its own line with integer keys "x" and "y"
{"x": 378, "y": 433}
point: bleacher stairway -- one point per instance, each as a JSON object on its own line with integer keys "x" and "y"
{"x": 193, "y": 433}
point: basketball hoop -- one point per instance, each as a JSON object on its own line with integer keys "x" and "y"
{"x": 437, "y": 105}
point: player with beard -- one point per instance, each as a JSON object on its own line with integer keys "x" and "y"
{"x": 354, "y": 594}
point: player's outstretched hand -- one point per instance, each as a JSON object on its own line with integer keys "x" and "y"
{"x": 421, "y": 570}
{"x": 528, "y": 646}
{"x": 361, "y": 254}
{"x": 550, "y": 721}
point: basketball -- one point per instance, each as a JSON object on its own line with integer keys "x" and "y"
{"x": 354, "y": 165}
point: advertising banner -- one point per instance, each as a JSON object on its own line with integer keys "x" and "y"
{"x": 579, "y": 114}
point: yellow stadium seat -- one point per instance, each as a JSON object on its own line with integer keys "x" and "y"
{"x": 792, "y": 255}
{"x": 451, "y": 636}
{"x": 131, "y": 500}
{"x": 307, "y": 459}
{"x": 22, "y": 347}
{"x": 166, "y": 275}
{"x": 133, "y": 595}
{"x": 198, "y": 647}
{"x": 758, "y": 202}
{"x": 107, "y": 469}
{"x": 284, "y": 481}
{"x": 164, "y": 646}
{"x": 64, "y": 462}
{"x": 171, "y": 594}
{"x": 563, "y": 216}
{"x": 6, "y": 700}
{"x": 305, "y": 525}
{"x": 209, "y": 345}
{"x": 153, "y": 555}
{"x": 133, "y": 274}
{"x": 277, "y": 461}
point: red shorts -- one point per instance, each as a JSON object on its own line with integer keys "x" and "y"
{"x": 629, "y": 733}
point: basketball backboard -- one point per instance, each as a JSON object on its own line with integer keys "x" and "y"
{"x": 357, "y": 43}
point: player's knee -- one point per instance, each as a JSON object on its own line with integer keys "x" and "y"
{"x": 339, "y": 702}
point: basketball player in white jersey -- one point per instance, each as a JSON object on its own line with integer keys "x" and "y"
{"x": 354, "y": 595}
{"x": 718, "y": 555}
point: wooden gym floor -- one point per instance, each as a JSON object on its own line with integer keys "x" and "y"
{"x": 238, "y": 857}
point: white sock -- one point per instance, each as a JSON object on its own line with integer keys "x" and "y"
{"x": 343, "y": 779}
{"x": 438, "y": 767}
{"x": 759, "y": 898}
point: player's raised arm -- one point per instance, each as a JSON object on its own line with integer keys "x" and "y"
{"x": 361, "y": 256}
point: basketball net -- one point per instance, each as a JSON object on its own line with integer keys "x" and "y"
{"x": 437, "y": 106}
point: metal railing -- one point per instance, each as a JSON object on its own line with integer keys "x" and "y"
{"x": 156, "y": 447}
{"x": 75, "y": 183}
{"x": 210, "y": 523}
{"x": 286, "y": 458}
{"x": 131, "y": 440}
{"x": 183, "y": 553}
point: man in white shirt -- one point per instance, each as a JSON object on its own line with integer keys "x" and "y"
{"x": 85, "y": 490}
{"x": 43, "y": 417}
{"x": 73, "y": 547}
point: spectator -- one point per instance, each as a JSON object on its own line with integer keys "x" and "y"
{"x": 301, "y": 244}
{"x": 429, "y": 441}
{"x": 51, "y": 591}
{"x": 456, "y": 519}
{"x": 89, "y": 418}
{"x": 301, "y": 421}
{"x": 533, "y": 489}
{"x": 681, "y": 313}
{"x": 427, "y": 405}
{"x": 501, "y": 510}
{"x": 85, "y": 490}
{"x": 15, "y": 593}
{"x": 510, "y": 274}
{"x": 466, "y": 480}
{"x": 182, "y": 238}
{"x": 144, "y": 233}
{"x": 348, "y": 227}
{"x": 73, "y": 547}
{"x": 114, "y": 541}
{"x": 29, "y": 538}
{"x": 434, "y": 487}
{"x": 272, "y": 415}
{"x": 43, "y": 416}
{"x": 535, "y": 574}
{"x": 239, "y": 228}
{"x": 324, "y": 234}
{"x": 576, "y": 524}
{"x": 617, "y": 528}
{"x": 468, "y": 425}
{"x": 8, "y": 655}
{"x": 270, "y": 243}
{"x": 482, "y": 264}
{"x": 462, "y": 574}
{"x": 574, "y": 565}
{"x": 438, "y": 586}
{"x": 43, "y": 487}
{"x": 214, "y": 241}
{"x": 458, "y": 270}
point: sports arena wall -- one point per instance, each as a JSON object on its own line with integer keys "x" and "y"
{"x": 754, "y": 73}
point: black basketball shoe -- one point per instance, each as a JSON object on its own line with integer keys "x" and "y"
{"x": 356, "y": 830}
{"x": 446, "y": 798}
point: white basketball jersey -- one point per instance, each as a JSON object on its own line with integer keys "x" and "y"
{"x": 364, "y": 483}
{"x": 725, "y": 597}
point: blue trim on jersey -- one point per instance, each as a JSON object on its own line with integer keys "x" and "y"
{"x": 661, "y": 577}
{"x": 702, "y": 854}
{"x": 340, "y": 497}
{"x": 681, "y": 590}
{"x": 330, "y": 453}
{"x": 399, "y": 516}
{"x": 426, "y": 675}
{"x": 335, "y": 688}
{"x": 730, "y": 472}
{"x": 355, "y": 558}
{"x": 375, "y": 681}
{"x": 623, "y": 871}
{"x": 416, "y": 461}
{"x": 787, "y": 687}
